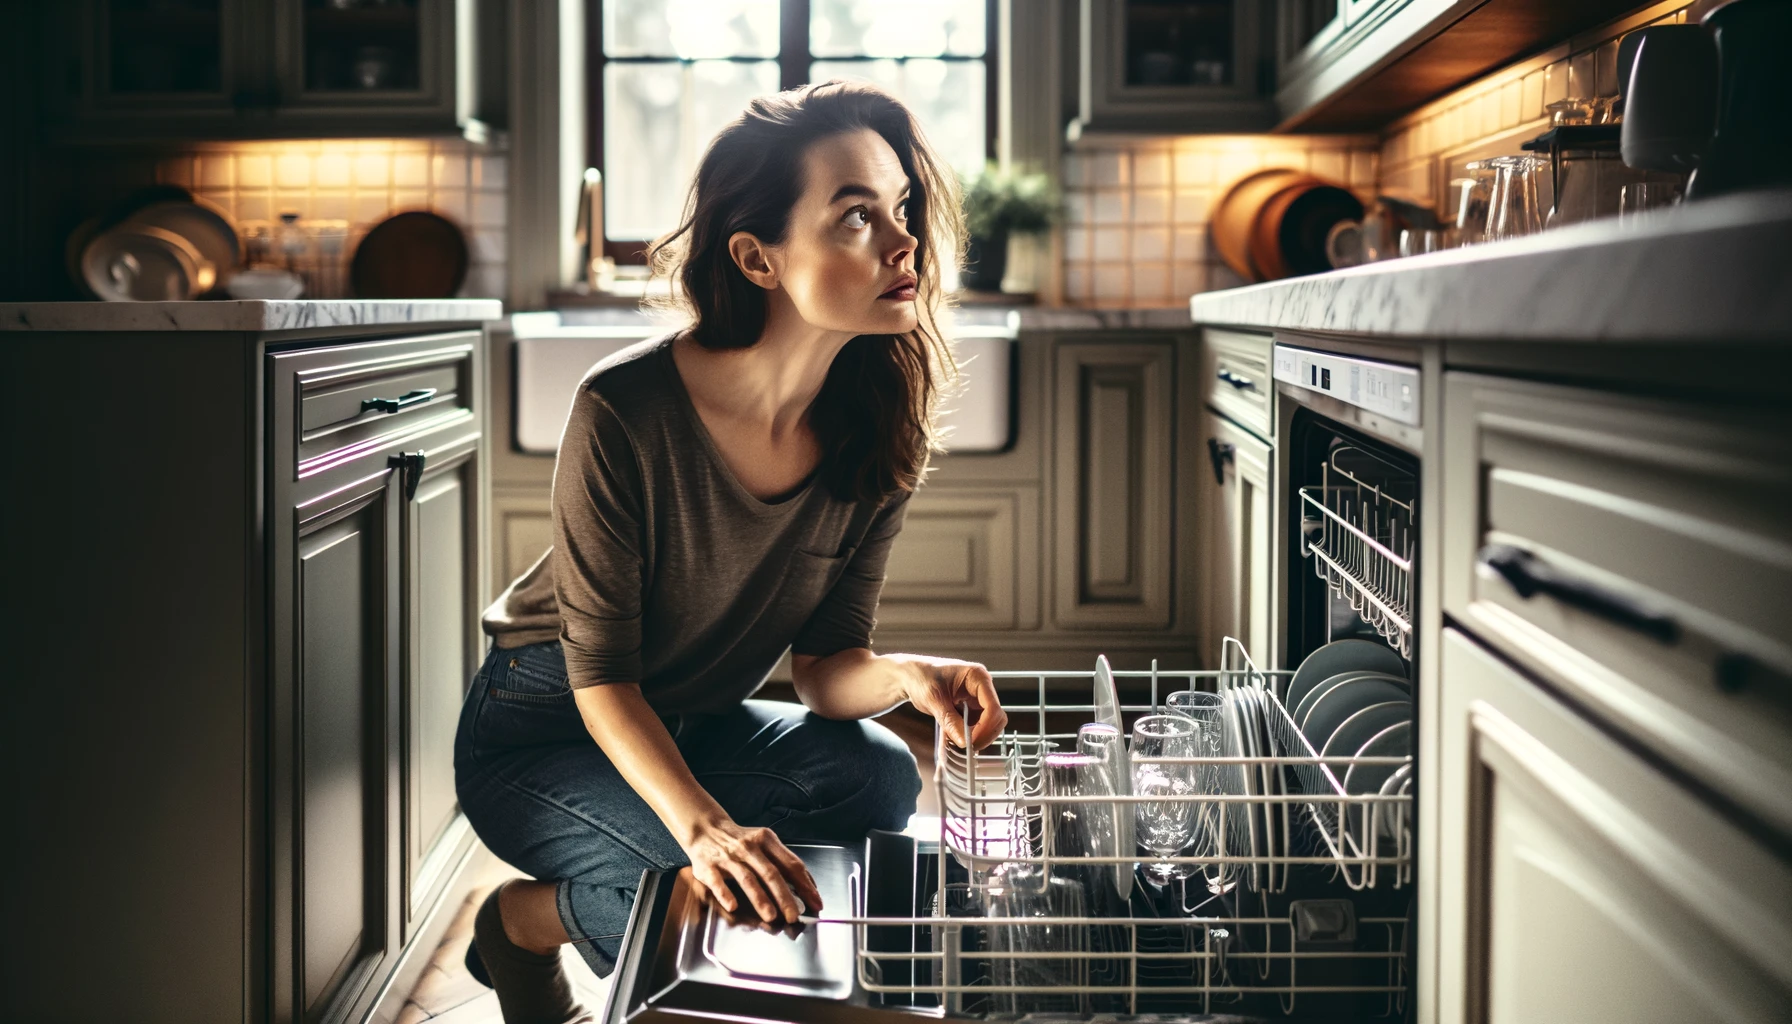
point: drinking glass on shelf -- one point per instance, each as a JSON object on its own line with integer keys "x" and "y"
{"x": 1474, "y": 192}
{"x": 1645, "y": 195}
{"x": 1418, "y": 241}
{"x": 1513, "y": 211}
{"x": 1166, "y": 827}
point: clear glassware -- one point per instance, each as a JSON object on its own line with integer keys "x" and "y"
{"x": 1025, "y": 891}
{"x": 1165, "y": 828}
{"x": 1419, "y": 241}
{"x": 1512, "y": 211}
{"x": 1207, "y": 711}
{"x": 1643, "y": 196}
{"x": 1085, "y": 829}
{"x": 1108, "y": 744}
{"x": 1474, "y": 193}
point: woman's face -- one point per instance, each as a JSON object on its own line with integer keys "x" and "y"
{"x": 848, "y": 261}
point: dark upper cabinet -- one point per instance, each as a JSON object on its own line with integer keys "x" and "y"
{"x": 152, "y": 69}
{"x": 1173, "y": 65}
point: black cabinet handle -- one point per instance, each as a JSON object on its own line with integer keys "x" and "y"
{"x": 395, "y": 404}
{"x": 1221, "y": 452}
{"x": 1238, "y": 381}
{"x": 410, "y": 468}
{"x": 1530, "y": 575}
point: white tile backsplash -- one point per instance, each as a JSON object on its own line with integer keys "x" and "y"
{"x": 357, "y": 183}
{"x": 1136, "y": 208}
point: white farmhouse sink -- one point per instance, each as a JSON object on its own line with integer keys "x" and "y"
{"x": 552, "y": 356}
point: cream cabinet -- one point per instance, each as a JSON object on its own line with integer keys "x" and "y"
{"x": 1579, "y": 883}
{"x": 1635, "y": 552}
{"x": 1239, "y": 530}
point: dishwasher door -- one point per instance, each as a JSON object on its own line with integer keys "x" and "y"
{"x": 681, "y": 961}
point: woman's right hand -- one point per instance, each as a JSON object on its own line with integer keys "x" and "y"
{"x": 756, "y": 861}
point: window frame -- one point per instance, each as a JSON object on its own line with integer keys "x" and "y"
{"x": 794, "y": 59}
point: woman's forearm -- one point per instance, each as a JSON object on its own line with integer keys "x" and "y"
{"x": 637, "y": 743}
{"x": 856, "y": 683}
{"x": 853, "y": 683}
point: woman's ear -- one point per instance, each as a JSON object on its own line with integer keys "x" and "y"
{"x": 754, "y": 258}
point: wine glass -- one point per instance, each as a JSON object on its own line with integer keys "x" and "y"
{"x": 1165, "y": 827}
{"x": 1207, "y": 711}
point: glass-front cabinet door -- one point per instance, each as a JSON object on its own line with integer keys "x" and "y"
{"x": 365, "y": 57}
{"x": 1307, "y": 27}
{"x": 118, "y": 62}
{"x": 1172, "y": 65}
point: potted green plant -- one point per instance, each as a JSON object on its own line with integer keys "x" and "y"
{"x": 998, "y": 204}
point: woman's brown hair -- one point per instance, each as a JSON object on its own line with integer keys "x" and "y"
{"x": 874, "y": 415}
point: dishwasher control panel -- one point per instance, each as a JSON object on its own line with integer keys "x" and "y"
{"x": 1384, "y": 388}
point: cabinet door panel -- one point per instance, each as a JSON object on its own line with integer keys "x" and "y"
{"x": 963, "y": 561}
{"x": 1241, "y": 549}
{"x": 341, "y": 641}
{"x": 1579, "y": 883}
{"x": 1113, "y": 509}
{"x": 440, "y": 587}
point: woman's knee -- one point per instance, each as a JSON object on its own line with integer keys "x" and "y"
{"x": 893, "y": 780}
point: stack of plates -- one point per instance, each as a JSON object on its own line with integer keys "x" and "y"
{"x": 1352, "y": 699}
{"x": 1254, "y": 829}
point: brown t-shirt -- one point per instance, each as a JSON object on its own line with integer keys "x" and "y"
{"x": 665, "y": 571}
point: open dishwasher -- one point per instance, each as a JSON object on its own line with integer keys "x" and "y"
{"x": 1286, "y": 888}
{"x": 1296, "y": 905}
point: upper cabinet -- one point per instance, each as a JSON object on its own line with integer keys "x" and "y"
{"x": 1173, "y": 65}
{"x": 1355, "y": 65}
{"x": 156, "y": 69}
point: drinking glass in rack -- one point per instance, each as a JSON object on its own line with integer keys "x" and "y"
{"x": 1166, "y": 827}
{"x": 1207, "y": 711}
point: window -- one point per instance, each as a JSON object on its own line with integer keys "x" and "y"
{"x": 669, "y": 73}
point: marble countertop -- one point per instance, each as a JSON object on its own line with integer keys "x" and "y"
{"x": 242, "y": 315}
{"x": 979, "y": 321}
{"x": 1718, "y": 270}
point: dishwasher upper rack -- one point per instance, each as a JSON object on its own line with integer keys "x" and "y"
{"x": 985, "y": 822}
{"x": 1361, "y": 537}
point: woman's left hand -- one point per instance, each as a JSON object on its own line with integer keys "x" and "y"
{"x": 941, "y": 685}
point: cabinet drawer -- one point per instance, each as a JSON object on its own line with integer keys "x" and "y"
{"x": 354, "y": 398}
{"x": 1239, "y": 379}
{"x": 1579, "y": 883}
{"x": 1639, "y": 554}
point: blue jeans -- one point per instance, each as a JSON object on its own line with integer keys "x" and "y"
{"x": 541, "y": 794}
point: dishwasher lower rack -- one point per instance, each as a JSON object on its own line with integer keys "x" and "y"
{"x": 1319, "y": 923}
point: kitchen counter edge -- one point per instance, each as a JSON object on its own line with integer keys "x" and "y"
{"x": 242, "y": 315}
{"x": 1717, "y": 270}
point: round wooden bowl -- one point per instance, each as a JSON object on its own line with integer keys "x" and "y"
{"x": 1288, "y": 237}
{"x": 1236, "y": 213}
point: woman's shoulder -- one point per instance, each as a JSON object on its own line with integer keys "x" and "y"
{"x": 632, "y": 381}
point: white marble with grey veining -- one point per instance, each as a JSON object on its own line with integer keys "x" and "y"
{"x": 1714, "y": 270}
{"x": 243, "y": 315}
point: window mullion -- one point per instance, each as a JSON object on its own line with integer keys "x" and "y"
{"x": 793, "y": 43}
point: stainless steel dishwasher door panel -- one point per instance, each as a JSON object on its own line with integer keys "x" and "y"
{"x": 681, "y": 961}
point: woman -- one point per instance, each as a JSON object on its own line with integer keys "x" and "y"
{"x": 722, "y": 494}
